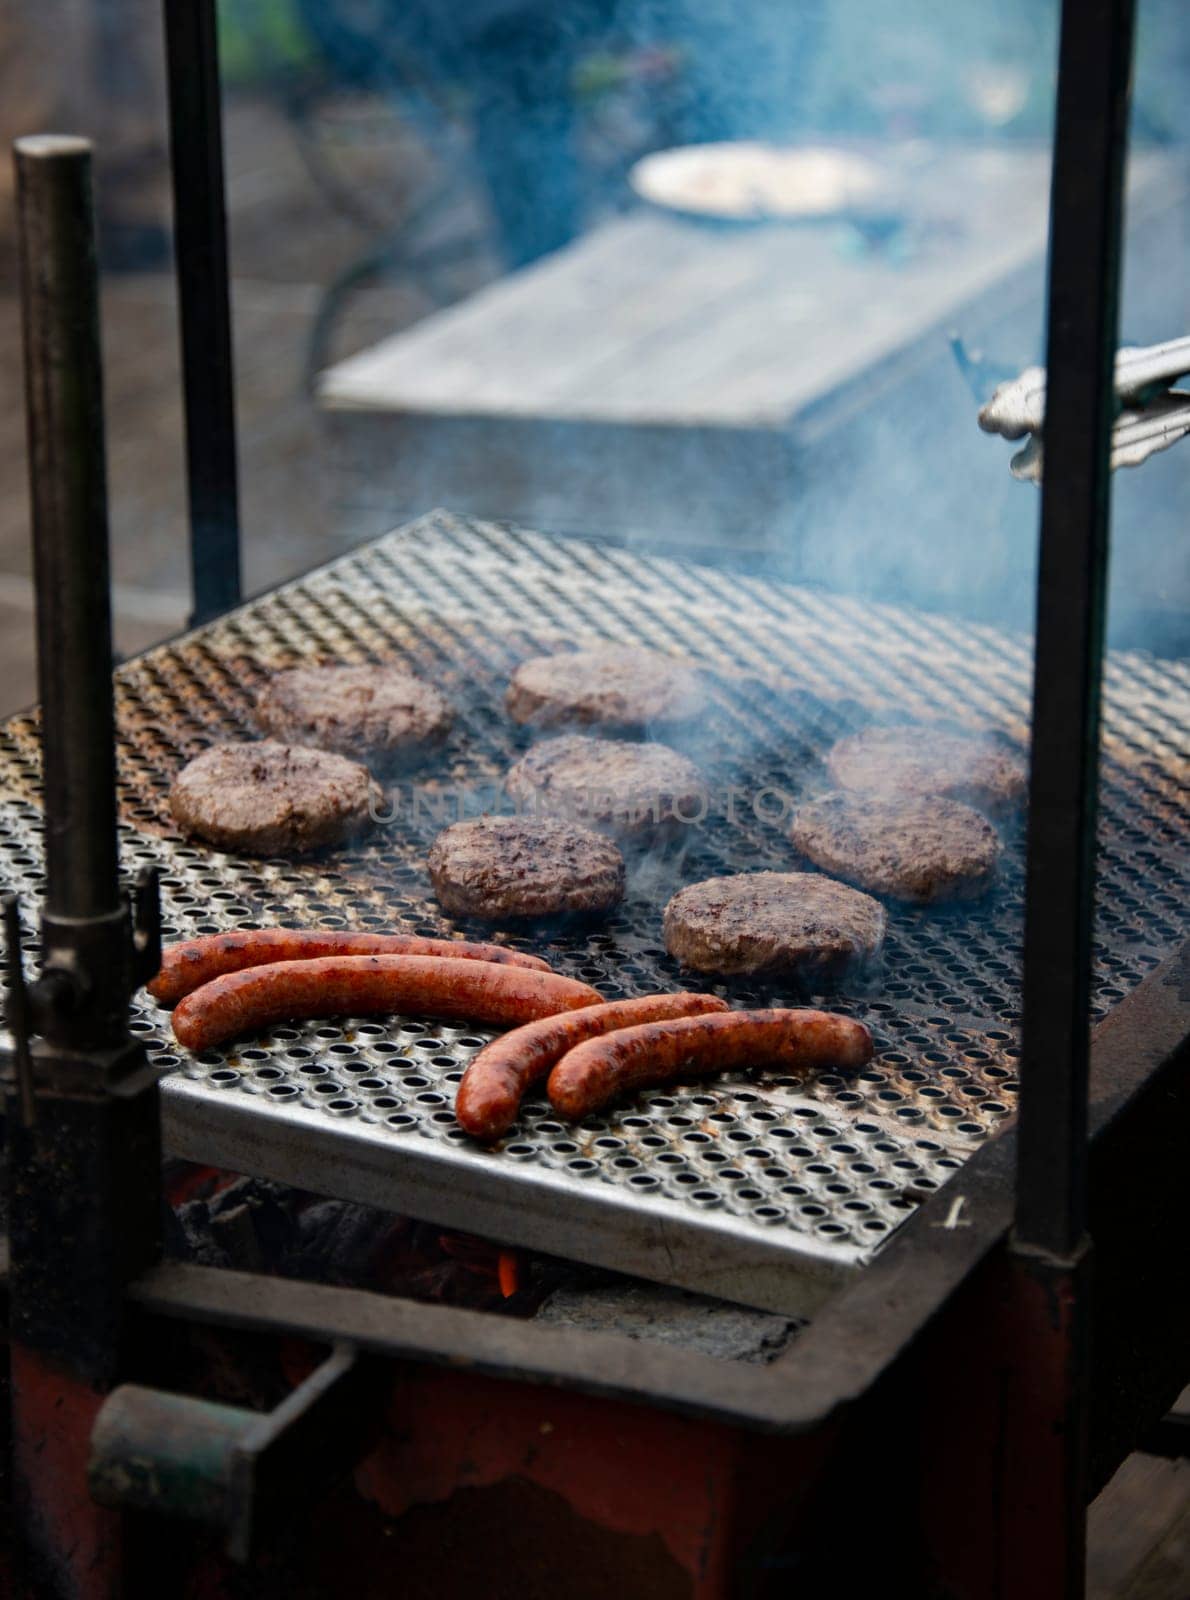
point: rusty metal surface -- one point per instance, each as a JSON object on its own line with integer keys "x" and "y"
{"x": 724, "y": 1186}
{"x": 229, "y": 1466}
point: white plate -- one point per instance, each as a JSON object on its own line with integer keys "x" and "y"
{"x": 752, "y": 182}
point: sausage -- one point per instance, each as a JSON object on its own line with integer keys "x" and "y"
{"x": 242, "y": 1003}
{"x": 601, "y": 1070}
{"x": 192, "y": 963}
{"x": 495, "y": 1082}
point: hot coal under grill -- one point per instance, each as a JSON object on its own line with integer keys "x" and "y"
{"x": 723, "y": 1186}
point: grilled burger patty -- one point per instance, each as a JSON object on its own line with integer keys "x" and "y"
{"x": 272, "y": 799}
{"x": 615, "y": 785}
{"x": 913, "y": 849}
{"x": 773, "y": 924}
{"x": 927, "y": 762}
{"x": 376, "y": 714}
{"x": 498, "y": 867}
{"x": 614, "y": 686}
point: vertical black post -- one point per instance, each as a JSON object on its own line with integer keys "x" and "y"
{"x": 83, "y": 1141}
{"x": 1085, "y": 247}
{"x": 68, "y": 490}
{"x": 204, "y": 303}
{"x": 1045, "y": 1466}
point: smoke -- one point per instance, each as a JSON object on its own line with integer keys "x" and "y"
{"x": 880, "y": 484}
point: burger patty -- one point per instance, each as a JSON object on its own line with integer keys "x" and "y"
{"x": 498, "y": 867}
{"x": 615, "y": 785}
{"x": 272, "y": 799}
{"x": 912, "y": 849}
{"x": 378, "y": 714}
{"x": 928, "y": 762}
{"x": 773, "y": 924}
{"x": 614, "y": 686}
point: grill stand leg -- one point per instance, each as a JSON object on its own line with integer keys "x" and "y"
{"x": 1044, "y": 1464}
{"x": 1044, "y": 1484}
{"x": 78, "y": 1185}
{"x": 83, "y": 1122}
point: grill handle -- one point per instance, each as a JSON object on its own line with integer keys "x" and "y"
{"x": 230, "y": 1468}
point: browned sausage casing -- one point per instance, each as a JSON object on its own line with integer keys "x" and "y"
{"x": 193, "y": 962}
{"x": 241, "y": 1003}
{"x": 593, "y": 1074}
{"x": 495, "y": 1082}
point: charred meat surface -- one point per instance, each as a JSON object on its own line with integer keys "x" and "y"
{"x": 380, "y": 715}
{"x": 773, "y": 924}
{"x": 493, "y": 1085}
{"x": 614, "y": 686}
{"x": 504, "y": 867}
{"x": 190, "y": 963}
{"x": 615, "y": 785}
{"x": 912, "y": 849}
{"x": 273, "y": 799}
{"x": 607, "y": 1068}
{"x": 240, "y": 1004}
{"x": 927, "y": 763}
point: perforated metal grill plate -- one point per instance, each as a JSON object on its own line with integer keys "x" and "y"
{"x": 761, "y": 1189}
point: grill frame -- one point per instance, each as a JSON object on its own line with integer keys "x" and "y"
{"x": 939, "y": 1283}
{"x": 721, "y": 1250}
{"x": 1031, "y": 1418}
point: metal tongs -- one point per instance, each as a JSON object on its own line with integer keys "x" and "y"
{"x": 1151, "y": 415}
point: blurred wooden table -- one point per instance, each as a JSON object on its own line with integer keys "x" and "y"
{"x": 775, "y": 391}
{"x": 662, "y": 373}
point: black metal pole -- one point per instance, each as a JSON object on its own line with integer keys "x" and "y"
{"x": 204, "y": 303}
{"x": 83, "y": 1141}
{"x": 1044, "y": 1480}
{"x": 1085, "y": 247}
{"x": 67, "y": 477}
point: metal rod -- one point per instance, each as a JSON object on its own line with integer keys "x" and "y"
{"x": 16, "y": 1010}
{"x": 83, "y": 1149}
{"x": 67, "y": 475}
{"x": 204, "y": 303}
{"x": 1085, "y": 246}
{"x": 1043, "y": 1453}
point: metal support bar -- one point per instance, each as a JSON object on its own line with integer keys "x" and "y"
{"x": 1043, "y": 1469}
{"x": 68, "y": 489}
{"x": 83, "y": 1140}
{"x": 204, "y": 303}
{"x": 99, "y": 1138}
{"x": 1084, "y": 270}
{"x": 227, "y": 1467}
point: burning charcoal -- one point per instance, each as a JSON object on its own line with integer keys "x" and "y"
{"x": 334, "y": 1241}
{"x": 246, "y": 1226}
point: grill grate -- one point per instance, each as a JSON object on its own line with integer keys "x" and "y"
{"x": 723, "y": 1186}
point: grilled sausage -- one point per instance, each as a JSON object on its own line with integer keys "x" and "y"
{"x": 601, "y": 1070}
{"x": 333, "y": 986}
{"x": 495, "y": 1082}
{"x": 192, "y": 963}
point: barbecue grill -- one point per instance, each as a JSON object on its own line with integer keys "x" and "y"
{"x": 764, "y": 1191}
{"x": 942, "y": 1317}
